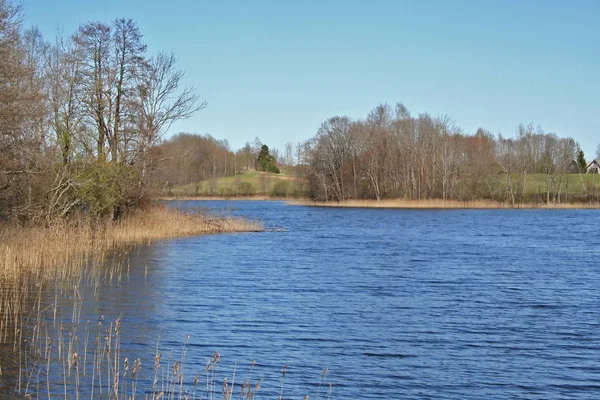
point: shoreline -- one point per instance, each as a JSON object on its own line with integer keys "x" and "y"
{"x": 65, "y": 247}
{"x": 227, "y": 198}
{"x": 424, "y": 204}
{"x": 440, "y": 204}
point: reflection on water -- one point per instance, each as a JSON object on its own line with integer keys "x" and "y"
{"x": 441, "y": 304}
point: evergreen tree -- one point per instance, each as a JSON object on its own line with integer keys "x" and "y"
{"x": 265, "y": 161}
{"x": 581, "y": 163}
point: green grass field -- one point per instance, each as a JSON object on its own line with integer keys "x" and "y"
{"x": 572, "y": 184}
{"x": 247, "y": 184}
{"x": 574, "y": 187}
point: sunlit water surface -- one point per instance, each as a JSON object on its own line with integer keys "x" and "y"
{"x": 398, "y": 304}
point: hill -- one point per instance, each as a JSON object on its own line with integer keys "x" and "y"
{"x": 252, "y": 183}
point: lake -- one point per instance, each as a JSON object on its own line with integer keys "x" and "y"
{"x": 398, "y": 304}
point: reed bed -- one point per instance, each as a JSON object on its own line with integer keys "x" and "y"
{"x": 87, "y": 360}
{"x": 442, "y": 204}
{"x": 63, "y": 254}
{"x": 59, "y": 251}
{"x": 47, "y": 356}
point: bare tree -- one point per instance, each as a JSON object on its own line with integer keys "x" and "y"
{"x": 506, "y": 158}
{"x": 129, "y": 51}
{"x": 21, "y": 110}
{"x": 247, "y": 152}
{"x": 94, "y": 40}
{"x": 288, "y": 154}
{"x": 525, "y": 151}
{"x": 64, "y": 79}
{"x": 161, "y": 102}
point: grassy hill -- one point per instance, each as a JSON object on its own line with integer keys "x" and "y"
{"x": 251, "y": 183}
{"x": 537, "y": 185}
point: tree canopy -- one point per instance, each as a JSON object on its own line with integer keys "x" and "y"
{"x": 79, "y": 116}
{"x": 265, "y": 161}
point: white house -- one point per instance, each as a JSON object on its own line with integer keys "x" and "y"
{"x": 593, "y": 168}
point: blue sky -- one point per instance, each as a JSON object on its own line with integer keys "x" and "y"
{"x": 277, "y": 69}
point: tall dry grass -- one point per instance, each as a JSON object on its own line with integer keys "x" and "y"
{"x": 60, "y": 250}
{"x": 440, "y": 204}
{"x": 88, "y": 361}
{"x": 52, "y": 357}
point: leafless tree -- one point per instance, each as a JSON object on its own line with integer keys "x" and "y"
{"x": 21, "y": 110}
{"x": 288, "y": 154}
{"x": 94, "y": 41}
{"x": 161, "y": 102}
{"x": 64, "y": 80}
{"x": 129, "y": 63}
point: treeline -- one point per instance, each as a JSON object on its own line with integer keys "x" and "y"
{"x": 391, "y": 154}
{"x": 190, "y": 159}
{"x": 79, "y": 117}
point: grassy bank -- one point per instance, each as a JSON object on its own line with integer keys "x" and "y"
{"x": 249, "y": 184}
{"x": 439, "y": 204}
{"x": 64, "y": 247}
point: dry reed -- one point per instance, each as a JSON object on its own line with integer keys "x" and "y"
{"x": 75, "y": 359}
{"x": 89, "y": 363}
{"x": 60, "y": 250}
{"x": 441, "y": 204}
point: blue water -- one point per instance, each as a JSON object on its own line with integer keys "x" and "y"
{"x": 398, "y": 304}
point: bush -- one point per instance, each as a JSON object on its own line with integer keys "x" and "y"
{"x": 225, "y": 191}
{"x": 105, "y": 189}
{"x": 246, "y": 189}
{"x": 280, "y": 189}
{"x": 95, "y": 190}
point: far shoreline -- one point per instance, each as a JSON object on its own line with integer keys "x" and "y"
{"x": 390, "y": 203}
{"x": 441, "y": 204}
{"x": 226, "y": 198}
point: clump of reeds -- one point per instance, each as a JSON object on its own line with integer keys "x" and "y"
{"x": 86, "y": 360}
{"x": 61, "y": 249}
{"x": 63, "y": 253}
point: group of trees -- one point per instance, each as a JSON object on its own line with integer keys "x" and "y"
{"x": 391, "y": 154}
{"x": 79, "y": 116}
{"x": 193, "y": 159}
{"x": 81, "y": 121}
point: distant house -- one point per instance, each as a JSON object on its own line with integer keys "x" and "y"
{"x": 573, "y": 167}
{"x": 593, "y": 168}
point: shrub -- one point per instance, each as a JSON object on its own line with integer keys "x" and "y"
{"x": 246, "y": 189}
{"x": 95, "y": 190}
{"x": 280, "y": 189}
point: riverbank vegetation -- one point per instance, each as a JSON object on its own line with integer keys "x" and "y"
{"x": 391, "y": 154}
{"x": 62, "y": 248}
{"x": 80, "y": 118}
{"x": 79, "y": 125}
{"x": 437, "y": 204}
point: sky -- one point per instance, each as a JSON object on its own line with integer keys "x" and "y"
{"x": 277, "y": 69}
